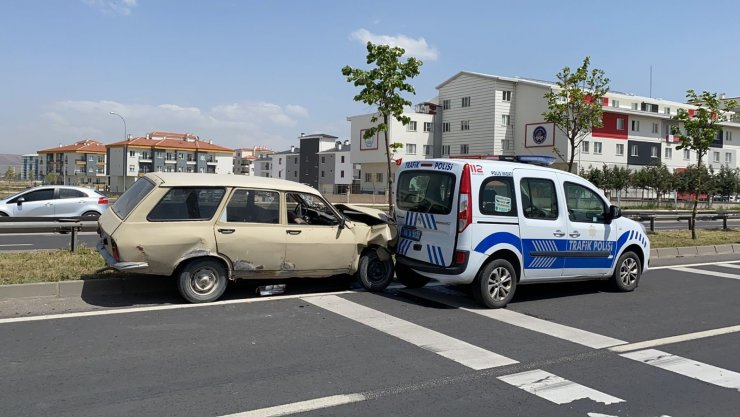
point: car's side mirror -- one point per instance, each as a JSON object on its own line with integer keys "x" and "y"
{"x": 614, "y": 213}
{"x": 20, "y": 200}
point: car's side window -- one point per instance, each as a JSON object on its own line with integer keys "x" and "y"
{"x": 584, "y": 205}
{"x": 254, "y": 206}
{"x": 38, "y": 195}
{"x": 303, "y": 208}
{"x": 539, "y": 199}
{"x": 71, "y": 193}
{"x": 182, "y": 203}
{"x": 497, "y": 197}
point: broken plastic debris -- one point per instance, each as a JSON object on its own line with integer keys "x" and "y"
{"x": 271, "y": 289}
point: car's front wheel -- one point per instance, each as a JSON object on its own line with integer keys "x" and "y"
{"x": 374, "y": 273}
{"x": 202, "y": 281}
{"x": 627, "y": 272}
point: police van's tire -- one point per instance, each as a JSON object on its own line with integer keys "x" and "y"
{"x": 202, "y": 281}
{"x": 375, "y": 274}
{"x": 627, "y": 272}
{"x": 495, "y": 284}
{"x": 409, "y": 278}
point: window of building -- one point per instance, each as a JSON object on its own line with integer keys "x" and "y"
{"x": 615, "y": 103}
{"x": 323, "y": 159}
{"x": 464, "y": 124}
{"x": 180, "y": 155}
{"x": 633, "y": 150}
{"x": 466, "y": 101}
{"x": 132, "y": 168}
{"x": 322, "y": 174}
{"x": 411, "y": 148}
{"x": 341, "y": 159}
{"x": 667, "y": 110}
{"x": 585, "y": 146}
{"x": 597, "y": 148}
{"x": 368, "y": 177}
{"x": 505, "y": 120}
{"x": 427, "y": 126}
{"x": 655, "y": 128}
{"x": 446, "y": 127}
{"x": 620, "y": 149}
{"x": 411, "y": 127}
{"x": 131, "y": 153}
{"x": 506, "y": 95}
{"x": 728, "y": 157}
{"x": 728, "y": 135}
{"x": 497, "y": 197}
{"x": 668, "y": 153}
{"x": 539, "y": 199}
{"x": 296, "y": 160}
{"x": 635, "y": 106}
{"x": 620, "y": 123}
{"x": 445, "y": 149}
{"x": 715, "y": 156}
{"x": 427, "y": 150}
{"x": 280, "y": 161}
{"x": 686, "y": 154}
{"x": 635, "y": 125}
{"x": 379, "y": 177}
{"x": 654, "y": 151}
{"x": 341, "y": 174}
{"x": 446, "y": 104}
{"x": 507, "y": 144}
{"x": 464, "y": 149}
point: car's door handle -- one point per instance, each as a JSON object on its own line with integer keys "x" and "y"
{"x": 559, "y": 233}
{"x": 575, "y": 233}
{"x": 226, "y": 231}
{"x": 293, "y": 232}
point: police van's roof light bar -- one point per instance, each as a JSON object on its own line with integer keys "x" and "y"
{"x": 542, "y": 160}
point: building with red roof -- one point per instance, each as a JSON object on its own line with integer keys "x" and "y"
{"x": 81, "y": 163}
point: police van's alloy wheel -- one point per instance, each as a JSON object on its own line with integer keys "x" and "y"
{"x": 495, "y": 284}
{"x": 627, "y": 272}
{"x": 202, "y": 281}
{"x": 375, "y": 274}
{"x": 409, "y": 278}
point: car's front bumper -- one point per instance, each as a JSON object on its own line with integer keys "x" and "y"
{"x": 120, "y": 266}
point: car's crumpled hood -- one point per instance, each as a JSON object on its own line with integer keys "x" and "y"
{"x": 369, "y": 216}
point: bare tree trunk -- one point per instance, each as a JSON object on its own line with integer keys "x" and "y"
{"x": 389, "y": 188}
{"x": 572, "y": 155}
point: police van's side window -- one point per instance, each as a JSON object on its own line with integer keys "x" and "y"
{"x": 497, "y": 197}
{"x": 584, "y": 205}
{"x": 539, "y": 199}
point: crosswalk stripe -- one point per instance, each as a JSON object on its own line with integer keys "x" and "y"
{"x": 302, "y": 406}
{"x": 687, "y": 367}
{"x": 705, "y": 272}
{"x": 735, "y": 266}
{"x": 461, "y": 352}
{"x": 571, "y": 334}
{"x": 556, "y": 389}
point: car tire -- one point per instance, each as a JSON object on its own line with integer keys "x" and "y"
{"x": 409, "y": 278}
{"x": 375, "y": 274}
{"x": 495, "y": 284}
{"x": 202, "y": 281}
{"x": 91, "y": 214}
{"x": 627, "y": 272}
{"x": 3, "y": 214}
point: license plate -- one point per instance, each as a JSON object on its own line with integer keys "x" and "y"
{"x": 412, "y": 234}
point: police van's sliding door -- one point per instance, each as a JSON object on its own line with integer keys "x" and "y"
{"x": 542, "y": 223}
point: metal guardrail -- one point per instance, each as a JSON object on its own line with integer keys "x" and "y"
{"x": 652, "y": 217}
{"x": 48, "y": 225}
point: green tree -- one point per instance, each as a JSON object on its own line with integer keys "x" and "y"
{"x": 727, "y": 181}
{"x": 9, "y": 174}
{"x": 51, "y": 177}
{"x": 662, "y": 181}
{"x": 596, "y": 176}
{"x": 618, "y": 179}
{"x": 697, "y": 130}
{"x": 574, "y": 106}
{"x": 382, "y": 86}
{"x": 696, "y": 181}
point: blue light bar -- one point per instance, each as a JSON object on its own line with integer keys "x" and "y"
{"x": 542, "y": 160}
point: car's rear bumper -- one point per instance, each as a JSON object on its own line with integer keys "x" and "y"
{"x": 421, "y": 266}
{"x": 120, "y": 266}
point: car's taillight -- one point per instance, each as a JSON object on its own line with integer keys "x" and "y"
{"x": 103, "y": 200}
{"x": 114, "y": 250}
{"x": 464, "y": 209}
{"x": 461, "y": 257}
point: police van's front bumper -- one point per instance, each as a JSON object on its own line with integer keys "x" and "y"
{"x": 421, "y": 266}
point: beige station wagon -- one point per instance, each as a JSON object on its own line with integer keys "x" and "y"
{"x": 206, "y": 229}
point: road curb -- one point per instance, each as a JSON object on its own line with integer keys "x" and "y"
{"x": 82, "y": 288}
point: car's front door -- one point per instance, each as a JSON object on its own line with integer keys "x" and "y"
{"x": 317, "y": 243}
{"x": 34, "y": 203}
{"x": 542, "y": 224}
{"x": 250, "y": 234}
{"x": 591, "y": 241}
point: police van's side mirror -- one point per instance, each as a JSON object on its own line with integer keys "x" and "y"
{"x": 614, "y": 213}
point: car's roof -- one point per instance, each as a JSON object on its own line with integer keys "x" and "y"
{"x": 187, "y": 179}
{"x": 503, "y": 164}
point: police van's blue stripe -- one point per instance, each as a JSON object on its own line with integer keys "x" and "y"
{"x": 424, "y": 220}
{"x": 434, "y": 221}
{"x": 441, "y": 257}
{"x": 429, "y": 254}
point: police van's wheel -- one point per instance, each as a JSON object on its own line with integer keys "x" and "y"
{"x": 495, "y": 285}
{"x": 375, "y": 274}
{"x": 409, "y": 278}
{"x": 627, "y": 272}
{"x": 202, "y": 281}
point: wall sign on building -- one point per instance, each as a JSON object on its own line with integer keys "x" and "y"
{"x": 367, "y": 144}
{"x": 539, "y": 135}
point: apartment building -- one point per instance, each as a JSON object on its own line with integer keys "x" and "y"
{"x": 30, "y": 170}
{"x": 416, "y": 142}
{"x": 164, "y": 152}
{"x": 309, "y": 156}
{"x": 336, "y": 170}
{"x": 82, "y": 163}
{"x": 244, "y": 158}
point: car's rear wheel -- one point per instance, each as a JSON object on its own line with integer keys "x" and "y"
{"x": 627, "y": 272}
{"x": 3, "y": 214}
{"x": 375, "y": 274}
{"x": 409, "y": 278}
{"x": 495, "y": 284}
{"x": 91, "y": 215}
{"x": 202, "y": 281}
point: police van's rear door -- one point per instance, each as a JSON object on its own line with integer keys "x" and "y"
{"x": 426, "y": 210}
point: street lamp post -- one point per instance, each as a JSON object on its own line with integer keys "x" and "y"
{"x": 125, "y": 150}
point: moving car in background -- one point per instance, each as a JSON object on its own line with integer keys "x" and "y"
{"x": 55, "y": 201}
{"x": 207, "y": 229}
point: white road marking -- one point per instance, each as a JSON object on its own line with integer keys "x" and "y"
{"x": 690, "y": 265}
{"x": 675, "y": 339}
{"x": 302, "y": 406}
{"x": 735, "y": 266}
{"x": 17, "y": 244}
{"x": 556, "y": 389}
{"x": 461, "y": 352}
{"x": 687, "y": 367}
{"x": 571, "y": 334}
{"x": 705, "y": 272}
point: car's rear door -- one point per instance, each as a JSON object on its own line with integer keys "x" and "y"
{"x": 69, "y": 203}
{"x": 426, "y": 210}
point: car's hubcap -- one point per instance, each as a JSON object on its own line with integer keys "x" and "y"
{"x": 628, "y": 272}
{"x": 499, "y": 283}
{"x": 376, "y": 271}
{"x": 203, "y": 280}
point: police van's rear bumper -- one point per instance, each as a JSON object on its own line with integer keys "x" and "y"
{"x": 431, "y": 268}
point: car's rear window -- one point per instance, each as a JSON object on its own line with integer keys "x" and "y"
{"x": 425, "y": 191}
{"x": 123, "y": 206}
{"x": 181, "y": 203}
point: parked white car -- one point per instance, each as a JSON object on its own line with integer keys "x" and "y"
{"x": 55, "y": 201}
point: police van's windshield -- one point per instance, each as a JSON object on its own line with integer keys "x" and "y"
{"x": 425, "y": 191}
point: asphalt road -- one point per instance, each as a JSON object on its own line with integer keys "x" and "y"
{"x": 557, "y": 350}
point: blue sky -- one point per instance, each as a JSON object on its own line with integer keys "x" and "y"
{"x": 247, "y": 73}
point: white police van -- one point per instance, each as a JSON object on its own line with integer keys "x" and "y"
{"x": 497, "y": 224}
